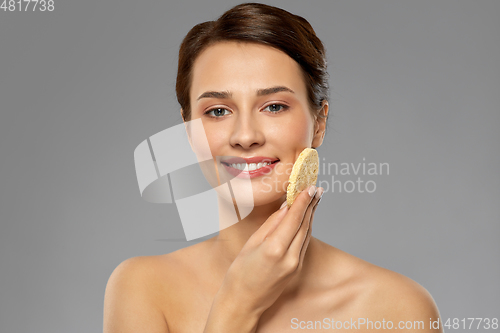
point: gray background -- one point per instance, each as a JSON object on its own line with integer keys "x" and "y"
{"x": 414, "y": 83}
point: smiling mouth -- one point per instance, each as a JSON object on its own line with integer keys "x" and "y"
{"x": 249, "y": 166}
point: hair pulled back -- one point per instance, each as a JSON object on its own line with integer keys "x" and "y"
{"x": 263, "y": 24}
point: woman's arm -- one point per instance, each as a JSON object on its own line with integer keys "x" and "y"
{"x": 263, "y": 268}
{"x": 230, "y": 314}
{"x": 128, "y": 302}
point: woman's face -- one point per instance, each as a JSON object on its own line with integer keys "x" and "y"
{"x": 242, "y": 117}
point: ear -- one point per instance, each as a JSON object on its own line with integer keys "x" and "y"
{"x": 320, "y": 125}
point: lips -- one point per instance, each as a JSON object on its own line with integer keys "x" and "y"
{"x": 236, "y": 171}
{"x": 248, "y": 160}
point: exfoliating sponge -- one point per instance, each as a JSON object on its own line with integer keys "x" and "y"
{"x": 304, "y": 174}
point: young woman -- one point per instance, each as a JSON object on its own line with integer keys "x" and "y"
{"x": 257, "y": 80}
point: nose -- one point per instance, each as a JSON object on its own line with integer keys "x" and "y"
{"x": 247, "y": 132}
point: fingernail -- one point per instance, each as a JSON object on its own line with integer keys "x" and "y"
{"x": 319, "y": 193}
{"x": 283, "y": 204}
{"x": 312, "y": 190}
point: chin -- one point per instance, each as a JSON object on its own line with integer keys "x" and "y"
{"x": 260, "y": 191}
{"x": 262, "y": 198}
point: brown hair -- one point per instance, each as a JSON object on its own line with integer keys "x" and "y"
{"x": 264, "y": 24}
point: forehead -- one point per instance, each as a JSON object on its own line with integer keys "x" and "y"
{"x": 240, "y": 67}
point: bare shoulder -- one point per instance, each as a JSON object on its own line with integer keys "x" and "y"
{"x": 401, "y": 294}
{"x": 130, "y": 302}
{"x": 158, "y": 272}
{"x": 140, "y": 288}
{"x": 382, "y": 293}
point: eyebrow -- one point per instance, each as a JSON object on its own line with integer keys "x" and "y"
{"x": 260, "y": 92}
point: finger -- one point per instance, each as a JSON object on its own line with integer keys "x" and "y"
{"x": 305, "y": 246}
{"x": 300, "y": 238}
{"x": 287, "y": 229}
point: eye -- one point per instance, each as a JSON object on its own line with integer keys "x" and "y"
{"x": 217, "y": 112}
{"x": 277, "y": 108}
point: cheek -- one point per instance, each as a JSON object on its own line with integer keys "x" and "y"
{"x": 217, "y": 139}
{"x": 291, "y": 138}
{"x": 295, "y": 133}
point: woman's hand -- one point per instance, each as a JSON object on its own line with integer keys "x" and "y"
{"x": 270, "y": 258}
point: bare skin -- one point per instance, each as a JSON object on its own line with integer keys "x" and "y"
{"x": 265, "y": 273}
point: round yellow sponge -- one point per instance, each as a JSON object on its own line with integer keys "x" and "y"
{"x": 304, "y": 173}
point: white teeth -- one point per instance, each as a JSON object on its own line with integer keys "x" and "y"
{"x": 249, "y": 167}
